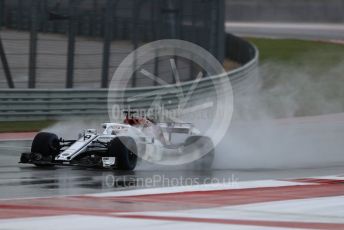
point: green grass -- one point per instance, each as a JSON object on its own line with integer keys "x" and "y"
{"x": 319, "y": 55}
{"x": 289, "y": 58}
{"x": 24, "y": 126}
{"x": 304, "y": 77}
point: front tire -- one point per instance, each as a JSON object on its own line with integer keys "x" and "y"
{"x": 125, "y": 151}
{"x": 47, "y": 145}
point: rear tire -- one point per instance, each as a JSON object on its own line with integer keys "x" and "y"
{"x": 46, "y": 144}
{"x": 201, "y": 144}
{"x": 125, "y": 151}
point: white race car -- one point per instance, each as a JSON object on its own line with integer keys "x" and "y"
{"x": 119, "y": 146}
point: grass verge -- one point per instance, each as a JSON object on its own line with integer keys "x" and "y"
{"x": 320, "y": 55}
{"x": 304, "y": 77}
{"x": 24, "y": 126}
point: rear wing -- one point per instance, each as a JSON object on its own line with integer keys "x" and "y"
{"x": 176, "y": 127}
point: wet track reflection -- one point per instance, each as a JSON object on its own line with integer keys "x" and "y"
{"x": 18, "y": 181}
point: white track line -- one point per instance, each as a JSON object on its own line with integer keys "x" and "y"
{"x": 200, "y": 188}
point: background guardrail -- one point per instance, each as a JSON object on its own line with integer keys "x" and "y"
{"x": 79, "y": 39}
{"x": 40, "y": 104}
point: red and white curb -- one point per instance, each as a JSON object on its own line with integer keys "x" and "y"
{"x": 309, "y": 203}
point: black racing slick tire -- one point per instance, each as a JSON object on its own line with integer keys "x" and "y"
{"x": 46, "y": 146}
{"x": 124, "y": 149}
{"x": 201, "y": 144}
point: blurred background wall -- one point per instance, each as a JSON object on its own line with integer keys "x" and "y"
{"x": 80, "y": 43}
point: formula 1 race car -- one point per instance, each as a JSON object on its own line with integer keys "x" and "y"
{"x": 120, "y": 145}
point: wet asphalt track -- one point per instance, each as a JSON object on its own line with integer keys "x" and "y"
{"x": 17, "y": 181}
